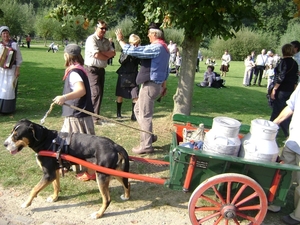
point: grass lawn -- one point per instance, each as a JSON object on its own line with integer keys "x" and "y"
{"x": 41, "y": 80}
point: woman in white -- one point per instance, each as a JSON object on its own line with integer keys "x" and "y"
{"x": 249, "y": 64}
{"x": 225, "y": 63}
{"x": 9, "y": 74}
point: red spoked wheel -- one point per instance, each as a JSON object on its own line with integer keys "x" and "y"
{"x": 228, "y": 199}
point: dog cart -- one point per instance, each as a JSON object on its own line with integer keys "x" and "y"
{"x": 225, "y": 189}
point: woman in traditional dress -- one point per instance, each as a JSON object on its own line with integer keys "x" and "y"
{"x": 9, "y": 71}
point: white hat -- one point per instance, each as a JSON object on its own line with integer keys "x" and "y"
{"x": 3, "y": 28}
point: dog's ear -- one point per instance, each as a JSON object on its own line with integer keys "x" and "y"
{"x": 36, "y": 130}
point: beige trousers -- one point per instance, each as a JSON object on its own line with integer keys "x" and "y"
{"x": 290, "y": 157}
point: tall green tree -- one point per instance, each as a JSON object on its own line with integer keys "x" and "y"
{"x": 45, "y": 26}
{"x": 19, "y": 17}
{"x": 274, "y": 16}
{"x": 200, "y": 19}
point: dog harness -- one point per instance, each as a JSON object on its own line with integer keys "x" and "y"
{"x": 61, "y": 145}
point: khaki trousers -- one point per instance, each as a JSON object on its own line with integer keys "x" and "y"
{"x": 144, "y": 109}
{"x": 290, "y": 157}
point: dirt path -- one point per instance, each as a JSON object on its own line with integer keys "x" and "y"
{"x": 67, "y": 212}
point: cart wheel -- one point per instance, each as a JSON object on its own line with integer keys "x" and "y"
{"x": 228, "y": 198}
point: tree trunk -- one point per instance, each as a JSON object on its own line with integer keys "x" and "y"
{"x": 184, "y": 93}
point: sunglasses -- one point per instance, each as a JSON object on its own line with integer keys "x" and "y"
{"x": 103, "y": 28}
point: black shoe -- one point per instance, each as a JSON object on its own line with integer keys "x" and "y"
{"x": 154, "y": 138}
{"x": 133, "y": 118}
{"x": 289, "y": 220}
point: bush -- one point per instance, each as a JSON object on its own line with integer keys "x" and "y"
{"x": 242, "y": 45}
{"x": 292, "y": 33}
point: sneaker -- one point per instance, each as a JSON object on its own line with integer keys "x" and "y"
{"x": 274, "y": 208}
{"x": 289, "y": 220}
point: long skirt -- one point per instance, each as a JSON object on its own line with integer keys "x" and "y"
{"x": 8, "y": 90}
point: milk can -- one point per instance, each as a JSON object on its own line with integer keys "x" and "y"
{"x": 260, "y": 143}
{"x": 223, "y": 138}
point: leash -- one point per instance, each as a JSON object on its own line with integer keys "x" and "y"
{"x": 91, "y": 114}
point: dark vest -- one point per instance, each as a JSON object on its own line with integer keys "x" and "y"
{"x": 144, "y": 73}
{"x": 84, "y": 102}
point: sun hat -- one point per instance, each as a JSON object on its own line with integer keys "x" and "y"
{"x": 73, "y": 49}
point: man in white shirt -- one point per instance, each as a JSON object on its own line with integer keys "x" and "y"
{"x": 291, "y": 150}
{"x": 260, "y": 65}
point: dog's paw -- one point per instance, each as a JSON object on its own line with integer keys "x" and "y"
{"x": 124, "y": 198}
{"x": 95, "y": 215}
{"x": 25, "y": 205}
{"x": 52, "y": 199}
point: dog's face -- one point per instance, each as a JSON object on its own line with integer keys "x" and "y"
{"x": 21, "y": 136}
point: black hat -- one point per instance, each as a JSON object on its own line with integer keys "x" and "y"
{"x": 73, "y": 49}
{"x": 155, "y": 25}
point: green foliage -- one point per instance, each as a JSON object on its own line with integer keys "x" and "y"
{"x": 274, "y": 16}
{"x": 242, "y": 45}
{"x": 176, "y": 35}
{"x": 292, "y": 33}
{"x": 21, "y": 24}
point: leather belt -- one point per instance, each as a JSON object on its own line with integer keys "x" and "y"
{"x": 96, "y": 67}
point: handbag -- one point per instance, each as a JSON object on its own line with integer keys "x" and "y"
{"x": 127, "y": 80}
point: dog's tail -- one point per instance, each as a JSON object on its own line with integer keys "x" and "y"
{"x": 124, "y": 162}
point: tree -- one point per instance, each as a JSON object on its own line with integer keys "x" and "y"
{"x": 19, "y": 18}
{"x": 200, "y": 19}
{"x": 274, "y": 16}
{"x": 45, "y": 26}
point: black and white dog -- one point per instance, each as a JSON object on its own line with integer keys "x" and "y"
{"x": 98, "y": 150}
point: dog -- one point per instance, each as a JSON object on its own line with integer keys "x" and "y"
{"x": 98, "y": 150}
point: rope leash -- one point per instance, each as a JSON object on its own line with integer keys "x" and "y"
{"x": 91, "y": 114}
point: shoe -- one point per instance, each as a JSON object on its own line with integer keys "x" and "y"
{"x": 85, "y": 176}
{"x": 98, "y": 122}
{"x": 133, "y": 118}
{"x": 289, "y": 220}
{"x": 139, "y": 150}
{"x": 154, "y": 138}
{"x": 274, "y": 208}
{"x": 199, "y": 85}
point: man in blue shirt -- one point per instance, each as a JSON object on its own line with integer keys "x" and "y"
{"x": 152, "y": 77}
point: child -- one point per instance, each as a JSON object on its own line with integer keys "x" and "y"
{"x": 249, "y": 64}
{"x": 270, "y": 75}
{"x": 177, "y": 63}
{"x": 76, "y": 92}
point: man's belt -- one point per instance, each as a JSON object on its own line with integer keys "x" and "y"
{"x": 96, "y": 67}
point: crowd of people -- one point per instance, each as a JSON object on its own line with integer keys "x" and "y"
{"x": 142, "y": 77}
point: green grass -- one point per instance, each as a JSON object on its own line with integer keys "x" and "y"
{"x": 41, "y": 80}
